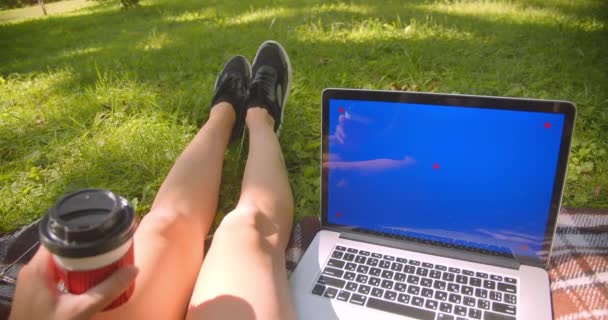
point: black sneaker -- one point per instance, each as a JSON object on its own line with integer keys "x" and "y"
{"x": 271, "y": 81}
{"x": 231, "y": 86}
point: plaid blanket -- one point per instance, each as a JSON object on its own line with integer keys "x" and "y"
{"x": 578, "y": 269}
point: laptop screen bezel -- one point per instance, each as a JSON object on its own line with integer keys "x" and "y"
{"x": 566, "y": 108}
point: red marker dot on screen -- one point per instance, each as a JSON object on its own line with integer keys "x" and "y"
{"x": 436, "y": 166}
{"x": 339, "y": 214}
{"x": 341, "y": 109}
{"x": 547, "y": 125}
{"x": 524, "y": 247}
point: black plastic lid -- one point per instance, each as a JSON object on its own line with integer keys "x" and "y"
{"x": 87, "y": 223}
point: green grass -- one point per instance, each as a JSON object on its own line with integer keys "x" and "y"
{"x": 53, "y": 8}
{"x": 109, "y": 98}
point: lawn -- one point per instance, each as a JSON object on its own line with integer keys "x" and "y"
{"x": 104, "y": 97}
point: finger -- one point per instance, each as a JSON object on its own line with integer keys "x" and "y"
{"x": 39, "y": 266}
{"x": 98, "y": 297}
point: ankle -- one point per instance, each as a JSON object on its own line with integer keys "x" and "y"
{"x": 223, "y": 111}
{"x": 258, "y": 116}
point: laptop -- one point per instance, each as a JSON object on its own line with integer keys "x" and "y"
{"x": 435, "y": 206}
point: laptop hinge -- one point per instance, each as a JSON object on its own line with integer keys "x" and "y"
{"x": 459, "y": 254}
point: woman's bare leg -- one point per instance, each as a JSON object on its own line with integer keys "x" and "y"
{"x": 169, "y": 241}
{"x": 244, "y": 275}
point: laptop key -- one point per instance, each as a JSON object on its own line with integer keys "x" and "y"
{"x": 333, "y": 272}
{"x": 337, "y": 254}
{"x": 385, "y": 264}
{"x": 364, "y": 289}
{"x": 496, "y": 316}
{"x": 358, "y": 299}
{"x": 468, "y": 272}
{"x": 489, "y": 284}
{"x": 351, "y": 286}
{"x": 331, "y": 282}
{"x": 510, "y": 280}
{"x": 426, "y": 282}
{"x": 389, "y": 258}
{"x": 427, "y": 265}
{"x": 352, "y": 250}
{"x": 475, "y": 282}
{"x": 330, "y": 293}
{"x": 375, "y": 272}
{"x": 448, "y": 276}
{"x": 351, "y": 266}
{"x": 340, "y": 248}
{"x": 422, "y": 272}
{"x": 318, "y": 289}
{"x": 387, "y": 284}
{"x": 460, "y": 311}
{"x": 390, "y": 295}
{"x": 349, "y": 257}
{"x": 453, "y": 287}
{"x": 403, "y": 298}
{"x": 496, "y": 296}
{"x": 440, "y": 267}
{"x": 387, "y": 274}
{"x": 481, "y": 275}
{"x": 374, "y": 281}
{"x": 417, "y": 301}
{"x": 505, "y": 287}
{"x": 427, "y": 293}
{"x": 455, "y": 298}
{"x": 376, "y": 255}
{"x": 399, "y": 277}
{"x": 469, "y": 301}
{"x": 431, "y": 304}
{"x": 362, "y": 269}
{"x": 462, "y": 279}
{"x": 413, "y": 279}
{"x": 453, "y": 270}
{"x": 483, "y": 304}
{"x": 400, "y": 309}
{"x": 409, "y": 269}
{"x": 439, "y": 285}
{"x": 481, "y": 293}
{"x": 396, "y": 266}
{"x": 443, "y": 316}
{"x": 441, "y": 295}
{"x": 435, "y": 274}
{"x": 372, "y": 262}
{"x": 445, "y": 307}
{"x": 343, "y": 295}
{"x": 413, "y": 290}
{"x": 360, "y": 259}
{"x": 474, "y": 313}
{"x": 400, "y": 287}
{"x": 364, "y": 253}
{"x": 377, "y": 292}
{"x": 414, "y": 262}
{"x": 349, "y": 276}
{"x": 504, "y": 308}
{"x": 335, "y": 263}
{"x": 510, "y": 298}
{"x": 466, "y": 290}
{"x": 361, "y": 278}
{"x": 495, "y": 277}
{"x": 401, "y": 260}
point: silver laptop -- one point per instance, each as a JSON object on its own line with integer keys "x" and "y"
{"x": 435, "y": 206}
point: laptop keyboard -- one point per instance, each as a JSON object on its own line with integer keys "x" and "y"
{"x": 415, "y": 288}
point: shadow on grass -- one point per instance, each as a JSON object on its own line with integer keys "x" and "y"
{"x": 175, "y": 50}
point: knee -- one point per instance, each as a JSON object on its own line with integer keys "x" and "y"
{"x": 169, "y": 224}
{"x": 251, "y": 228}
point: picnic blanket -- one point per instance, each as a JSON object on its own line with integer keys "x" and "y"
{"x": 578, "y": 269}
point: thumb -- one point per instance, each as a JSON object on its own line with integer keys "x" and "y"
{"x": 100, "y": 296}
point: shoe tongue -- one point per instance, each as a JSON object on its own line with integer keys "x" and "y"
{"x": 265, "y": 73}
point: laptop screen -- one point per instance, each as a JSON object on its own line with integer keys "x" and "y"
{"x": 462, "y": 176}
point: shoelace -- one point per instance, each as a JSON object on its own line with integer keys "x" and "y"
{"x": 232, "y": 82}
{"x": 263, "y": 82}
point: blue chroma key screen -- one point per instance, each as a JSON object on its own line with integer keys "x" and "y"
{"x": 473, "y": 177}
